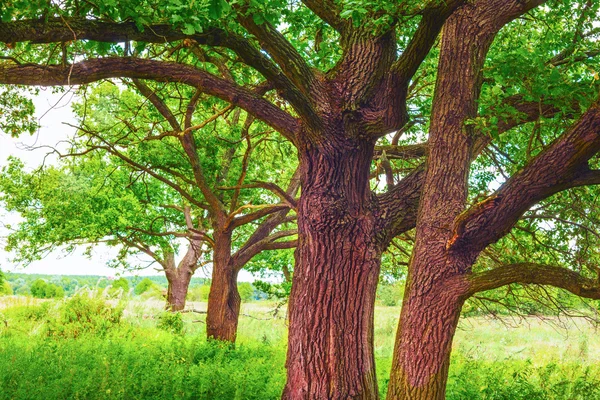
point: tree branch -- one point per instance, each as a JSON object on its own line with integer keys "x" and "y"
{"x": 433, "y": 18}
{"x": 531, "y": 273}
{"x": 127, "y": 67}
{"x": 561, "y": 166}
{"x": 63, "y": 30}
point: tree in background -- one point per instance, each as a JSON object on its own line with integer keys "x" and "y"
{"x": 346, "y": 81}
{"x": 5, "y": 288}
{"x": 45, "y": 290}
{"x": 146, "y": 189}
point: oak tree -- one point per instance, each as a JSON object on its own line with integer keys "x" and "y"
{"x": 346, "y": 81}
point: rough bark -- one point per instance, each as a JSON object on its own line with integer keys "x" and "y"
{"x": 428, "y": 321}
{"x": 178, "y": 283}
{"x": 437, "y": 285}
{"x": 330, "y": 353}
{"x": 223, "y": 300}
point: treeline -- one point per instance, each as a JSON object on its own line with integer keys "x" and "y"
{"x": 58, "y": 286}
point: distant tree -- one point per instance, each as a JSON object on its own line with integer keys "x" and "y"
{"x": 44, "y": 290}
{"x": 5, "y": 288}
{"x": 38, "y": 289}
{"x": 146, "y": 174}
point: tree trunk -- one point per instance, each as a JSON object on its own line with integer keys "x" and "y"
{"x": 330, "y": 351}
{"x": 224, "y": 300}
{"x": 428, "y": 321}
{"x": 178, "y": 283}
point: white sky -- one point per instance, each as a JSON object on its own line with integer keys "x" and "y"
{"x": 52, "y": 110}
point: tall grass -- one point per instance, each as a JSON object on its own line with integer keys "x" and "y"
{"x": 140, "y": 353}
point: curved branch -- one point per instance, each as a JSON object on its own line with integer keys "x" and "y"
{"x": 531, "y": 273}
{"x": 63, "y": 30}
{"x": 561, "y": 166}
{"x": 127, "y": 67}
{"x": 433, "y": 18}
{"x": 328, "y": 11}
{"x": 285, "y": 55}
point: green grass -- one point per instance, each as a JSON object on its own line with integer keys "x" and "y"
{"x": 134, "y": 358}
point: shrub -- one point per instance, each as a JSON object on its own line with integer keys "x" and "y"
{"x": 82, "y": 315}
{"x": 143, "y": 286}
{"x": 170, "y": 322}
{"x": 246, "y": 291}
{"x": 30, "y": 312}
{"x": 199, "y": 293}
{"x": 5, "y": 289}
{"x": 390, "y": 294}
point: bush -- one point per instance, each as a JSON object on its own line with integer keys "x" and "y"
{"x": 170, "y": 322}
{"x": 30, "y": 312}
{"x": 246, "y": 291}
{"x": 44, "y": 290}
{"x": 198, "y": 293}
{"x": 5, "y": 289}
{"x": 84, "y": 315}
{"x": 119, "y": 287}
{"x": 143, "y": 286}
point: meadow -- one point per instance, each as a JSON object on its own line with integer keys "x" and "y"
{"x": 87, "y": 348}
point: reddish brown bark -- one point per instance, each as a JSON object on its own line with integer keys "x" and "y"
{"x": 223, "y": 300}
{"x": 437, "y": 284}
{"x": 330, "y": 353}
{"x": 178, "y": 283}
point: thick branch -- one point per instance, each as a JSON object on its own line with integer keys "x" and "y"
{"x": 433, "y": 18}
{"x": 400, "y": 204}
{"x": 328, "y": 11}
{"x": 561, "y": 166}
{"x": 126, "y": 67}
{"x": 285, "y": 55}
{"x": 64, "y": 30}
{"x": 531, "y": 273}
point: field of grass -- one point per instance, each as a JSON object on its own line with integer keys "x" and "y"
{"x": 58, "y": 350}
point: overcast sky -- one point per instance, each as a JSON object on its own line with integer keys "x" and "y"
{"x": 53, "y": 110}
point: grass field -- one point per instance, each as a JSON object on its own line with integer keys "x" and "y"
{"x": 46, "y": 352}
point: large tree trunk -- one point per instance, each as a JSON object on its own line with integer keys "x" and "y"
{"x": 178, "y": 283}
{"x": 330, "y": 352}
{"x": 224, "y": 300}
{"x": 428, "y": 321}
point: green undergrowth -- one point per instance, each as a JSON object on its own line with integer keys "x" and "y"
{"x": 87, "y": 348}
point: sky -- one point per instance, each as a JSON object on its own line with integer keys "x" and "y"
{"x": 53, "y": 111}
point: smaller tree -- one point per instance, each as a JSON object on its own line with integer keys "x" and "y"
{"x": 44, "y": 290}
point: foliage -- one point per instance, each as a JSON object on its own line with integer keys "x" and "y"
{"x": 5, "y": 289}
{"x": 120, "y": 284}
{"x": 170, "y": 322}
{"x": 84, "y": 315}
{"x": 143, "y": 286}
{"x": 246, "y": 291}
{"x": 199, "y": 293}
{"x": 129, "y": 359}
{"x": 390, "y": 294}
{"x": 44, "y": 290}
